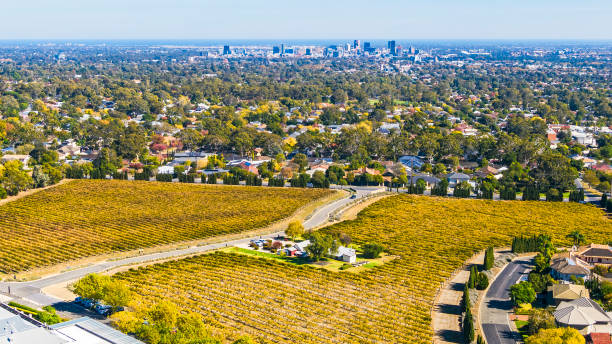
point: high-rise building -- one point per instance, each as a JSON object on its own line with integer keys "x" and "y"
{"x": 356, "y": 44}
{"x": 367, "y": 47}
{"x": 226, "y": 50}
{"x": 308, "y": 52}
{"x": 282, "y": 50}
{"x": 275, "y": 50}
{"x": 391, "y": 46}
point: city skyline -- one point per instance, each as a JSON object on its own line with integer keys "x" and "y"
{"x": 240, "y": 19}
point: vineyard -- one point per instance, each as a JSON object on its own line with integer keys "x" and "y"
{"x": 85, "y": 217}
{"x": 284, "y": 303}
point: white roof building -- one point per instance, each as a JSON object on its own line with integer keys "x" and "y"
{"x": 582, "y": 314}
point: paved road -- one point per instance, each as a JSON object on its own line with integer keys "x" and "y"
{"x": 32, "y": 290}
{"x": 496, "y": 306}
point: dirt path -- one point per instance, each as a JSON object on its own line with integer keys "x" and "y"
{"x": 446, "y": 312}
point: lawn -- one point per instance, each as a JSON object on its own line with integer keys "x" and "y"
{"x": 90, "y": 217}
{"x": 282, "y": 302}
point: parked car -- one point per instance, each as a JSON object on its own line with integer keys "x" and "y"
{"x": 353, "y": 196}
{"x": 103, "y": 309}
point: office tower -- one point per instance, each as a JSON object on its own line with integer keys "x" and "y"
{"x": 347, "y": 47}
{"x": 412, "y": 50}
{"x": 391, "y": 46}
{"x": 367, "y": 47}
{"x": 308, "y": 52}
{"x": 356, "y": 44}
{"x": 226, "y": 50}
{"x": 275, "y": 50}
{"x": 282, "y": 49}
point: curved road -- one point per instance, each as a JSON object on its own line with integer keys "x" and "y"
{"x": 32, "y": 290}
{"x": 496, "y": 307}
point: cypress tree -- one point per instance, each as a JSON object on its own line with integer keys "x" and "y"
{"x": 489, "y": 258}
{"x": 465, "y": 302}
{"x": 468, "y": 327}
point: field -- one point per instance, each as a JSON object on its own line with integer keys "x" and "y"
{"x": 286, "y": 303}
{"x": 86, "y": 217}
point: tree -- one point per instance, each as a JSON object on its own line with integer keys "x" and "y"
{"x": 14, "y": 179}
{"x": 577, "y": 237}
{"x": 462, "y": 190}
{"x": 554, "y": 171}
{"x": 91, "y": 286}
{"x": 116, "y": 294}
{"x": 468, "y": 327}
{"x": 489, "y": 258}
{"x": 301, "y": 160}
{"x": 566, "y": 335}
{"x": 320, "y": 245}
{"x": 294, "y": 230}
{"x": 372, "y": 250}
{"x": 482, "y": 281}
{"x": 39, "y": 178}
{"x": 522, "y": 293}
{"x": 465, "y": 300}
{"x": 540, "y": 319}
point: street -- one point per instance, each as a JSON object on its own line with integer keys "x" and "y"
{"x": 496, "y": 306}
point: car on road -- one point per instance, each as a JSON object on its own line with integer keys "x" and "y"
{"x": 353, "y": 196}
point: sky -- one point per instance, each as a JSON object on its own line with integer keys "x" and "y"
{"x": 306, "y": 19}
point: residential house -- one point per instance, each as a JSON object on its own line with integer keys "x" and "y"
{"x": 595, "y": 254}
{"x": 457, "y": 178}
{"x": 346, "y": 254}
{"x": 167, "y": 169}
{"x": 558, "y": 293}
{"x": 583, "y": 314}
{"x": 301, "y": 246}
{"x": 411, "y": 162}
{"x": 487, "y": 171}
{"x": 565, "y": 267}
{"x": 23, "y": 158}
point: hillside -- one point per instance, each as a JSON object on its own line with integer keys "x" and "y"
{"x": 89, "y": 217}
{"x": 287, "y": 303}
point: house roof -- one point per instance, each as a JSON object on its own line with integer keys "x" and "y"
{"x": 597, "y": 251}
{"x": 580, "y": 312}
{"x": 457, "y": 175}
{"x": 568, "y": 267}
{"x": 568, "y": 291}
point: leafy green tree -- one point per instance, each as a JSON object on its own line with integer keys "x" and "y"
{"x": 40, "y": 178}
{"x": 522, "y": 293}
{"x": 468, "y": 327}
{"x": 320, "y": 245}
{"x": 294, "y": 230}
{"x": 372, "y": 250}
{"x": 577, "y": 237}
{"x": 116, "y": 294}
{"x": 14, "y": 178}
{"x": 565, "y": 335}
{"x": 540, "y": 319}
{"x": 91, "y": 286}
{"x": 489, "y": 258}
{"x": 301, "y": 160}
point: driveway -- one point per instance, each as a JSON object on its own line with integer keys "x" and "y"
{"x": 497, "y": 305}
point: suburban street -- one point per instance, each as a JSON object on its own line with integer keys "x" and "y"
{"x": 496, "y": 306}
{"x": 32, "y": 290}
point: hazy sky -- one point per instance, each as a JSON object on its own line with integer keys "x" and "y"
{"x": 315, "y": 19}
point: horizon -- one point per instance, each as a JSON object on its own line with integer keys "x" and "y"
{"x": 320, "y": 20}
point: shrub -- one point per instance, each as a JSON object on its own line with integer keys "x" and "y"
{"x": 372, "y": 250}
{"x": 482, "y": 281}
